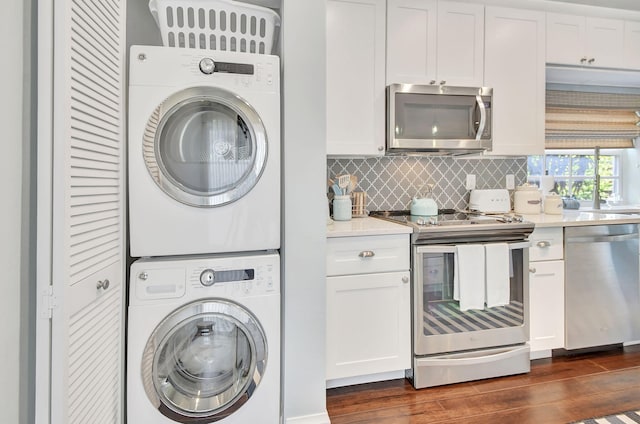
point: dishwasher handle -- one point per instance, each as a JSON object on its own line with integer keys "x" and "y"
{"x": 602, "y": 239}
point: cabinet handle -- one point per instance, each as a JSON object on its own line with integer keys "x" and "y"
{"x": 104, "y": 284}
{"x": 532, "y": 270}
{"x": 367, "y": 254}
{"x": 591, "y": 61}
{"x": 543, "y": 244}
{"x": 443, "y": 82}
{"x": 583, "y": 60}
{"x": 380, "y": 148}
{"x": 405, "y": 280}
{"x": 432, "y": 82}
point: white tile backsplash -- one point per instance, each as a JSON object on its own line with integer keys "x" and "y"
{"x": 391, "y": 181}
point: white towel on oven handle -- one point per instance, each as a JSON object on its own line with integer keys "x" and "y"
{"x": 469, "y": 276}
{"x": 497, "y": 262}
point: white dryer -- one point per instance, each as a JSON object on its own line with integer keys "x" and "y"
{"x": 204, "y": 151}
{"x": 204, "y": 340}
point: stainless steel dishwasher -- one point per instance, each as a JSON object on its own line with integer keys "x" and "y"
{"x": 602, "y": 289}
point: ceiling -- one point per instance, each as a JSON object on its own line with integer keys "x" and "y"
{"x": 616, "y": 4}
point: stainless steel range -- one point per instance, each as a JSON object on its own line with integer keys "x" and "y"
{"x": 470, "y": 276}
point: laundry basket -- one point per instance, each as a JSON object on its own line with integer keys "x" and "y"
{"x": 216, "y": 25}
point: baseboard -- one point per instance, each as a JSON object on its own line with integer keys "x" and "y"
{"x": 539, "y": 354}
{"x": 362, "y": 379}
{"x": 322, "y": 418}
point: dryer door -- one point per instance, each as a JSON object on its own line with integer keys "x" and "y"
{"x": 204, "y": 361}
{"x": 205, "y": 146}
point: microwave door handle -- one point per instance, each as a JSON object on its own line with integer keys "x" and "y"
{"x": 483, "y": 117}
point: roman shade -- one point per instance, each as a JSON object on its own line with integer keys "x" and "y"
{"x": 580, "y": 120}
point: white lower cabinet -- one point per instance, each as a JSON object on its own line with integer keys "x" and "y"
{"x": 368, "y": 308}
{"x": 368, "y": 324}
{"x": 546, "y": 291}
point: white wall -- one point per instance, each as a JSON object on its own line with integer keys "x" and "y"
{"x": 631, "y": 176}
{"x": 11, "y": 122}
{"x": 304, "y": 167}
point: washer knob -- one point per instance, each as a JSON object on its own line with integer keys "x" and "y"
{"x": 207, "y": 66}
{"x": 207, "y": 277}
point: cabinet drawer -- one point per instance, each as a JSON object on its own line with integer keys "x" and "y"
{"x": 546, "y": 244}
{"x": 367, "y": 254}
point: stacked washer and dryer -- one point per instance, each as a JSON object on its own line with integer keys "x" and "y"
{"x": 203, "y": 340}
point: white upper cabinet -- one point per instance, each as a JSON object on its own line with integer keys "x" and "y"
{"x": 355, "y": 77}
{"x": 632, "y": 45}
{"x": 435, "y": 42}
{"x": 515, "y": 69}
{"x": 585, "y": 41}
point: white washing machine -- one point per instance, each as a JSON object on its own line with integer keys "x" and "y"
{"x": 204, "y": 151}
{"x": 204, "y": 340}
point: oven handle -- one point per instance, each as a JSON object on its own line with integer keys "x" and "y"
{"x": 448, "y": 248}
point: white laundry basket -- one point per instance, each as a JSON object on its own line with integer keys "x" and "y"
{"x": 216, "y": 25}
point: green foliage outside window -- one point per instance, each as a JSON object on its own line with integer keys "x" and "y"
{"x": 574, "y": 174}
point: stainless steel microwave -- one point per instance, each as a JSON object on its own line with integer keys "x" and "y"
{"x": 438, "y": 119}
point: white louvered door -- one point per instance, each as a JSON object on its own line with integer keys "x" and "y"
{"x": 87, "y": 211}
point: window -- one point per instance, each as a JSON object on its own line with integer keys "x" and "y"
{"x": 573, "y": 172}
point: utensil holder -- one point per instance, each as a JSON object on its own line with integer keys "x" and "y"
{"x": 342, "y": 208}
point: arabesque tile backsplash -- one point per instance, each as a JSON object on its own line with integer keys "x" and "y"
{"x": 392, "y": 181}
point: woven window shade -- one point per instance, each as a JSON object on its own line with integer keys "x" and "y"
{"x": 576, "y": 120}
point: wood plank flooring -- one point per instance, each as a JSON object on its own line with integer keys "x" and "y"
{"x": 557, "y": 390}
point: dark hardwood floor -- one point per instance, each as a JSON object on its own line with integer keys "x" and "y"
{"x": 558, "y": 390}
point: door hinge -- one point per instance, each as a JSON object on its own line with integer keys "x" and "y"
{"x": 48, "y": 302}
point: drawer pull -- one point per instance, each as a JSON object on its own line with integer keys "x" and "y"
{"x": 532, "y": 270}
{"x": 367, "y": 254}
{"x": 543, "y": 244}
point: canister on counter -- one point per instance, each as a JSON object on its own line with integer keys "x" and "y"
{"x": 527, "y": 200}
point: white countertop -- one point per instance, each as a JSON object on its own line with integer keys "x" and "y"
{"x": 571, "y": 218}
{"x": 365, "y": 227}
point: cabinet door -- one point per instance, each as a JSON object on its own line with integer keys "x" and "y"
{"x": 515, "y": 68}
{"x": 546, "y": 305}
{"x": 460, "y": 41}
{"x": 565, "y": 39}
{"x": 368, "y": 324}
{"x": 605, "y": 42}
{"x": 411, "y": 41}
{"x": 355, "y": 77}
{"x": 81, "y": 212}
{"x": 631, "y": 43}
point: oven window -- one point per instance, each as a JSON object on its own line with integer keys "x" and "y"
{"x": 441, "y": 312}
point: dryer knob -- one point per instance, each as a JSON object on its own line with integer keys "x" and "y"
{"x": 207, "y": 66}
{"x": 207, "y": 277}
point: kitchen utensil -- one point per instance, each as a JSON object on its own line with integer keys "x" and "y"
{"x": 527, "y": 200}
{"x": 343, "y": 182}
{"x": 353, "y": 182}
{"x": 336, "y": 189}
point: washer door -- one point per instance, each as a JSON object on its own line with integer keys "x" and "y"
{"x": 205, "y": 146}
{"x": 204, "y": 361}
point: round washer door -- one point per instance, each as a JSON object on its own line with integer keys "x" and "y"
{"x": 205, "y": 146}
{"x": 204, "y": 361}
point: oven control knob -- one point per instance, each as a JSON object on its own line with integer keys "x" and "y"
{"x": 207, "y": 66}
{"x": 207, "y": 277}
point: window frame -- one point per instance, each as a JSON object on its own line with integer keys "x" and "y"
{"x": 618, "y": 166}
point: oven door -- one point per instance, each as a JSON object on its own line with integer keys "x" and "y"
{"x": 441, "y": 326}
